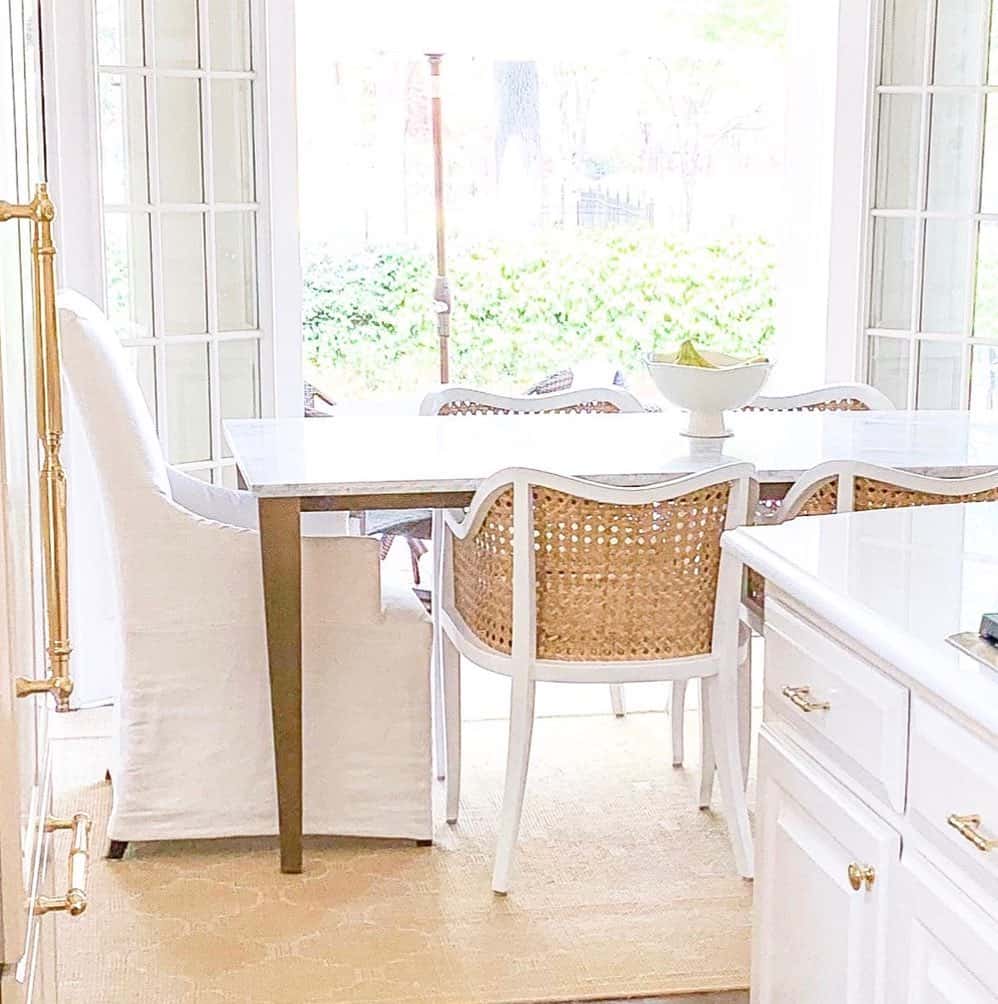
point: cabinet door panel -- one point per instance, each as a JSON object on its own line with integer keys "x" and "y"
{"x": 944, "y": 949}
{"x": 816, "y": 938}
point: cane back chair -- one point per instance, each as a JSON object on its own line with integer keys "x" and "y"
{"x": 557, "y": 579}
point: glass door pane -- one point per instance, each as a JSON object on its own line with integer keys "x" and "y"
{"x": 904, "y": 42}
{"x": 187, "y": 402}
{"x": 176, "y": 97}
{"x": 959, "y": 52}
{"x": 940, "y": 375}
{"x": 893, "y": 255}
{"x": 889, "y": 364}
{"x": 952, "y": 151}
{"x": 897, "y": 162}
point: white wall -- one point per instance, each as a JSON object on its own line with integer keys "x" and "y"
{"x": 819, "y": 270}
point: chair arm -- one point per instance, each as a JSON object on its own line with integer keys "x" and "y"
{"x": 222, "y": 505}
{"x": 179, "y": 568}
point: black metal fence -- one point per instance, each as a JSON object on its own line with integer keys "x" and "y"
{"x": 600, "y": 209}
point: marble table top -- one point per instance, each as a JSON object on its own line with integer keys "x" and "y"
{"x": 398, "y": 454}
{"x": 898, "y": 581}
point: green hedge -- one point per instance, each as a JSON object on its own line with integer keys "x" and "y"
{"x": 522, "y": 309}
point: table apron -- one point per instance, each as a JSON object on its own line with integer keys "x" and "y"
{"x": 386, "y": 500}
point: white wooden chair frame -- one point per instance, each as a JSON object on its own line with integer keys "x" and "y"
{"x": 717, "y": 670}
{"x": 847, "y": 471}
{"x": 874, "y": 399}
{"x": 533, "y": 404}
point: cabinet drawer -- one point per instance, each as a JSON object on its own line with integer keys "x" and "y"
{"x": 943, "y": 948}
{"x": 953, "y": 792}
{"x": 842, "y": 708}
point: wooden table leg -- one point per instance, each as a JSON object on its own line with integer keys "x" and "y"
{"x": 280, "y": 545}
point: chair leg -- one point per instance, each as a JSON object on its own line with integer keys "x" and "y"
{"x": 677, "y": 712}
{"x": 723, "y": 701}
{"x": 452, "y": 713}
{"x": 617, "y": 700}
{"x": 416, "y": 550}
{"x": 521, "y": 727}
{"x": 116, "y": 850}
{"x": 437, "y": 668}
{"x": 707, "y": 766}
{"x": 387, "y": 539}
{"x": 745, "y": 710}
{"x": 439, "y": 703}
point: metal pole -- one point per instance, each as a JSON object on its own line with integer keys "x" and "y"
{"x": 441, "y": 287}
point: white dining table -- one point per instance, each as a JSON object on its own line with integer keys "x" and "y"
{"x": 404, "y": 461}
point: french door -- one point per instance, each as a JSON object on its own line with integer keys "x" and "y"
{"x": 177, "y": 129}
{"x": 931, "y": 332}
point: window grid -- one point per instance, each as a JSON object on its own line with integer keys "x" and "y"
{"x": 214, "y": 466}
{"x": 914, "y": 335}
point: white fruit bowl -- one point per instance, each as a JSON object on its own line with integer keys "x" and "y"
{"x": 707, "y": 392}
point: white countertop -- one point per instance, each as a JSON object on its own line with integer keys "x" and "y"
{"x": 898, "y": 581}
{"x": 376, "y": 454}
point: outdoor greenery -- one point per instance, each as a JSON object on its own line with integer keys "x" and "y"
{"x": 523, "y": 309}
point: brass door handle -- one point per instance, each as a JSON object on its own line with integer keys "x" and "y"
{"x": 860, "y": 875}
{"x": 800, "y": 697}
{"x": 75, "y": 901}
{"x": 59, "y": 686}
{"x": 969, "y": 827}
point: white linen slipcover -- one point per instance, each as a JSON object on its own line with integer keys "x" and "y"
{"x": 194, "y": 750}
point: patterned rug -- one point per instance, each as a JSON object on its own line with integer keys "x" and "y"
{"x": 622, "y": 888}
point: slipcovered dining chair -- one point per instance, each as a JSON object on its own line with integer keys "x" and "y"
{"x": 557, "y": 579}
{"x": 194, "y": 754}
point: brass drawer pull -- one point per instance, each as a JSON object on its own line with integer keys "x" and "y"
{"x": 75, "y": 900}
{"x": 969, "y": 827}
{"x": 860, "y": 875}
{"x": 800, "y": 697}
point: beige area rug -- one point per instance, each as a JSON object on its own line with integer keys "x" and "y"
{"x": 622, "y": 889}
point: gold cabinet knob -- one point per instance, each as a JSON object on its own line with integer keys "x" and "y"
{"x": 860, "y": 875}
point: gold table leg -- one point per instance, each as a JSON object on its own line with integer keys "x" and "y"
{"x": 280, "y": 545}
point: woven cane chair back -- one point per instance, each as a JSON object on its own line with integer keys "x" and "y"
{"x": 820, "y": 490}
{"x": 851, "y": 487}
{"x": 629, "y": 575}
{"x": 835, "y": 397}
{"x": 589, "y": 400}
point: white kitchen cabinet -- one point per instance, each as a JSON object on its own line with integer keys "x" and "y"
{"x": 817, "y": 938}
{"x": 944, "y": 949}
{"x": 888, "y": 758}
